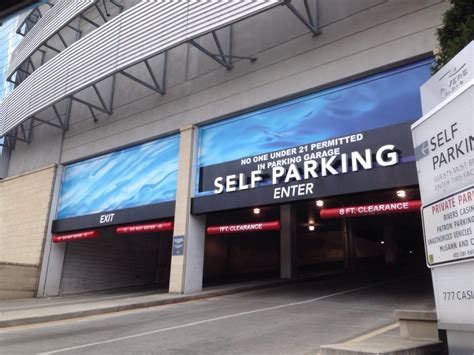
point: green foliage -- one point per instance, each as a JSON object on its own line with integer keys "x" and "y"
{"x": 457, "y": 31}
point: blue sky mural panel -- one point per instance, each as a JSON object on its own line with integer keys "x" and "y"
{"x": 137, "y": 176}
{"x": 375, "y": 101}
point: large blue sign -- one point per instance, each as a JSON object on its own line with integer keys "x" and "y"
{"x": 380, "y": 100}
{"x": 142, "y": 175}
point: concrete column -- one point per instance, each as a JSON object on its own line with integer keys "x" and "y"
{"x": 53, "y": 254}
{"x": 288, "y": 250}
{"x": 349, "y": 250}
{"x": 390, "y": 245}
{"x": 187, "y": 269}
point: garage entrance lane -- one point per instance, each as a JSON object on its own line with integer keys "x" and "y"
{"x": 280, "y": 320}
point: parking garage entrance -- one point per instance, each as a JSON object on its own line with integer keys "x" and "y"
{"x": 242, "y": 245}
{"x": 317, "y": 238}
{"x": 347, "y": 146}
{"x": 113, "y": 221}
{"x": 135, "y": 257}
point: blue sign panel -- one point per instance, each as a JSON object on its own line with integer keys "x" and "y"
{"x": 142, "y": 175}
{"x": 178, "y": 245}
{"x": 381, "y": 100}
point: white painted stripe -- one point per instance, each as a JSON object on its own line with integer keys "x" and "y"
{"x": 112, "y": 340}
{"x": 374, "y": 333}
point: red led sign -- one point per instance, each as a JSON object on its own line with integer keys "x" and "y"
{"x": 145, "y": 228}
{"x": 245, "y": 228}
{"x": 75, "y": 236}
{"x": 372, "y": 210}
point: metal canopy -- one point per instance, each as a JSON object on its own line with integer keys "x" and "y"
{"x": 118, "y": 46}
{"x": 29, "y": 19}
{"x": 54, "y": 24}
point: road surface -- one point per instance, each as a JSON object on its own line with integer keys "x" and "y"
{"x": 292, "y": 319}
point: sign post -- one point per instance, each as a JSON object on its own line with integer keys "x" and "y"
{"x": 444, "y": 148}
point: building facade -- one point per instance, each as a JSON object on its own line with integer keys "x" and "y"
{"x": 182, "y": 144}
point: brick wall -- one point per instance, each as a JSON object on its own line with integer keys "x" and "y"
{"x": 24, "y": 207}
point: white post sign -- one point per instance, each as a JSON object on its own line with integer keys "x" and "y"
{"x": 444, "y": 149}
{"x": 453, "y": 286}
{"x": 444, "y": 146}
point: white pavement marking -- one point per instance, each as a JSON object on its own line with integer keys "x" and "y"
{"x": 112, "y": 340}
{"x": 374, "y": 333}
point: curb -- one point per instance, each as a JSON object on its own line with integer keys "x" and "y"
{"x": 137, "y": 305}
{"x": 162, "y": 302}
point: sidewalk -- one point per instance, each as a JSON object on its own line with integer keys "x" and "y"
{"x": 41, "y": 310}
{"x": 386, "y": 342}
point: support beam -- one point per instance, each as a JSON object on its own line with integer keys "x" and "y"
{"x": 68, "y": 114}
{"x": 112, "y": 93}
{"x": 156, "y": 86}
{"x": 120, "y": 6}
{"x": 142, "y": 82}
{"x": 14, "y": 82}
{"x": 222, "y": 58}
{"x": 310, "y": 21}
{"x": 288, "y": 240}
{"x": 88, "y": 104}
{"x": 51, "y": 47}
{"x": 349, "y": 251}
{"x": 74, "y": 28}
{"x": 20, "y": 133}
{"x": 47, "y": 122}
{"x": 160, "y": 87}
{"x": 15, "y": 136}
{"x": 58, "y": 116}
{"x": 215, "y": 57}
{"x": 99, "y": 10}
{"x": 25, "y": 132}
{"x": 93, "y": 23}
{"x": 23, "y": 71}
{"x": 9, "y": 140}
{"x": 105, "y": 108}
{"x": 63, "y": 41}
{"x": 31, "y": 63}
{"x": 94, "y": 117}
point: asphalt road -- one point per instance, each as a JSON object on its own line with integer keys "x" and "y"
{"x": 294, "y": 319}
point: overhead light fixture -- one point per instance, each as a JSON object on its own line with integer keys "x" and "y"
{"x": 256, "y": 211}
{"x": 319, "y": 203}
{"x": 382, "y": 242}
{"x": 401, "y": 193}
{"x": 311, "y": 227}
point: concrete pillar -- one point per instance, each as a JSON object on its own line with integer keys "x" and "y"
{"x": 187, "y": 261}
{"x": 349, "y": 250}
{"x": 53, "y": 254}
{"x": 390, "y": 245}
{"x": 288, "y": 250}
